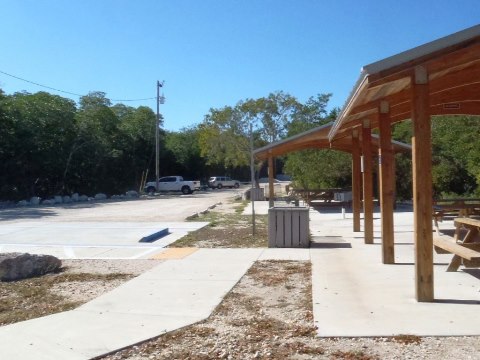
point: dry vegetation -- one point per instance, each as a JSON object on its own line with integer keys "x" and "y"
{"x": 227, "y": 228}
{"x": 77, "y": 282}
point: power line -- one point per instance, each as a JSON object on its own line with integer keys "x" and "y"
{"x": 67, "y": 92}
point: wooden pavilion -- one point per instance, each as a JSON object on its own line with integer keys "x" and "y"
{"x": 438, "y": 78}
{"x": 317, "y": 138}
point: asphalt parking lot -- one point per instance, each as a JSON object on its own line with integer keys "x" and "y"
{"x": 106, "y": 229}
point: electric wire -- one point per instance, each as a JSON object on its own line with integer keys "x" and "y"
{"x": 68, "y": 92}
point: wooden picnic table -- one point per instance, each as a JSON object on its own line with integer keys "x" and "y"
{"x": 464, "y": 246}
{"x": 463, "y": 207}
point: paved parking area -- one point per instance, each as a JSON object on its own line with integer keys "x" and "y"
{"x": 104, "y": 230}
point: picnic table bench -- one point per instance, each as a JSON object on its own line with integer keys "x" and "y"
{"x": 466, "y": 250}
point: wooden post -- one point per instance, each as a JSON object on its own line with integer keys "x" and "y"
{"x": 271, "y": 191}
{"x": 422, "y": 186}
{"x": 387, "y": 184}
{"x": 367, "y": 182}
{"x": 356, "y": 181}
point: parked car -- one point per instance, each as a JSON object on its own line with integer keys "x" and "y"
{"x": 219, "y": 182}
{"x": 172, "y": 183}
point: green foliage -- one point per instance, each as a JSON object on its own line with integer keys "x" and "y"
{"x": 224, "y": 133}
{"x": 37, "y": 130}
{"x": 455, "y": 156}
{"x": 318, "y": 169}
{"x": 51, "y": 147}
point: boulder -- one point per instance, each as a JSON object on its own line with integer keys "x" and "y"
{"x": 75, "y": 197}
{"x": 67, "y": 199}
{"x": 35, "y": 200}
{"x": 23, "y": 203}
{"x": 131, "y": 194}
{"x": 48, "y": 202}
{"x": 100, "y": 196}
{"x": 58, "y": 199}
{"x": 16, "y": 266}
{"x": 83, "y": 198}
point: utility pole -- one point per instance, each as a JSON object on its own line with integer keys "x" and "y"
{"x": 157, "y": 133}
{"x": 252, "y": 173}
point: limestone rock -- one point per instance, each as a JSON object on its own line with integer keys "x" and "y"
{"x": 100, "y": 196}
{"x": 131, "y": 194}
{"x": 16, "y": 266}
{"x": 35, "y": 200}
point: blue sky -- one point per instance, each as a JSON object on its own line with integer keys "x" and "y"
{"x": 211, "y": 53}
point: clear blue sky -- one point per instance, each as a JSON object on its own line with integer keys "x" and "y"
{"x": 212, "y": 53}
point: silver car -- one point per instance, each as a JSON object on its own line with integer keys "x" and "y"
{"x": 218, "y": 182}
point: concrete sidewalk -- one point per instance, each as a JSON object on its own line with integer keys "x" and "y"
{"x": 176, "y": 293}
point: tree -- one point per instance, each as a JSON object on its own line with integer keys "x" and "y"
{"x": 40, "y": 129}
{"x": 224, "y": 133}
{"x": 314, "y": 168}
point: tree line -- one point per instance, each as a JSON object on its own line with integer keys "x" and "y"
{"x": 51, "y": 145}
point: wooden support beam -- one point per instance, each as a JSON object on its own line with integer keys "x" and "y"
{"x": 387, "y": 184}
{"x": 271, "y": 190}
{"x": 367, "y": 182}
{"x": 356, "y": 181}
{"x": 422, "y": 186}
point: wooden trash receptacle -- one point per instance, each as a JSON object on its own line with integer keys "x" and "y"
{"x": 288, "y": 227}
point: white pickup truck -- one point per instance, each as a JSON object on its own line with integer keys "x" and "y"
{"x": 172, "y": 183}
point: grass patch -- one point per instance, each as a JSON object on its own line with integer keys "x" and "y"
{"x": 227, "y": 230}
{"x": 353, "y": 355}
{"x": 407, "y": 339}
{"x": 32, "y": 298}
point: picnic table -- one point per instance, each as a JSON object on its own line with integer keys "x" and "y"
{"x": 465, "y": 246}
{"x": 459, "y": 207}
{"x": 321, "y": 196}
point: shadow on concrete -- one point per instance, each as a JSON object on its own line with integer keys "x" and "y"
{"x": 473, "y": 272}
{"x": 315, "y": 245}
{"x": 25, "y": 213}
{"x": 455, "y": 301}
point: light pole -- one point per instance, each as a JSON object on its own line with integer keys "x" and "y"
{"x": 160, "y": 100}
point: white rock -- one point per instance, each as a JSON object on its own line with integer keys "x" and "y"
{"x": 75, "y": 197}
{"x": 48, "y": 202}
{"x": 23, "y": 203}
{"x": 67, "y": 199}
{"x": 83, "y": 198}
{"x": 58, "y": 199}
{"x": 100, "y": 196}
{"x": 35, "y": 200}
{"x": 131, "y": 193}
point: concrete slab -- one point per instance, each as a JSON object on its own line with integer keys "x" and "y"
{"x": 285, "y": 254}
{"x": 354, "y": 294}
{"x": 90, "y": 240}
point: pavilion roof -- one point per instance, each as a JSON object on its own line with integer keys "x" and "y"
{"x": 317, "y": 138}
{"x": 450, "y": 64}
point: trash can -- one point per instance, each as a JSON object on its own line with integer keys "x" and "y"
{"x": 258, "y": 194}
{"x": 288, "y": 227}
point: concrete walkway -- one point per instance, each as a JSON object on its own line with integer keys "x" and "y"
{"x": 182, "y": 290}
